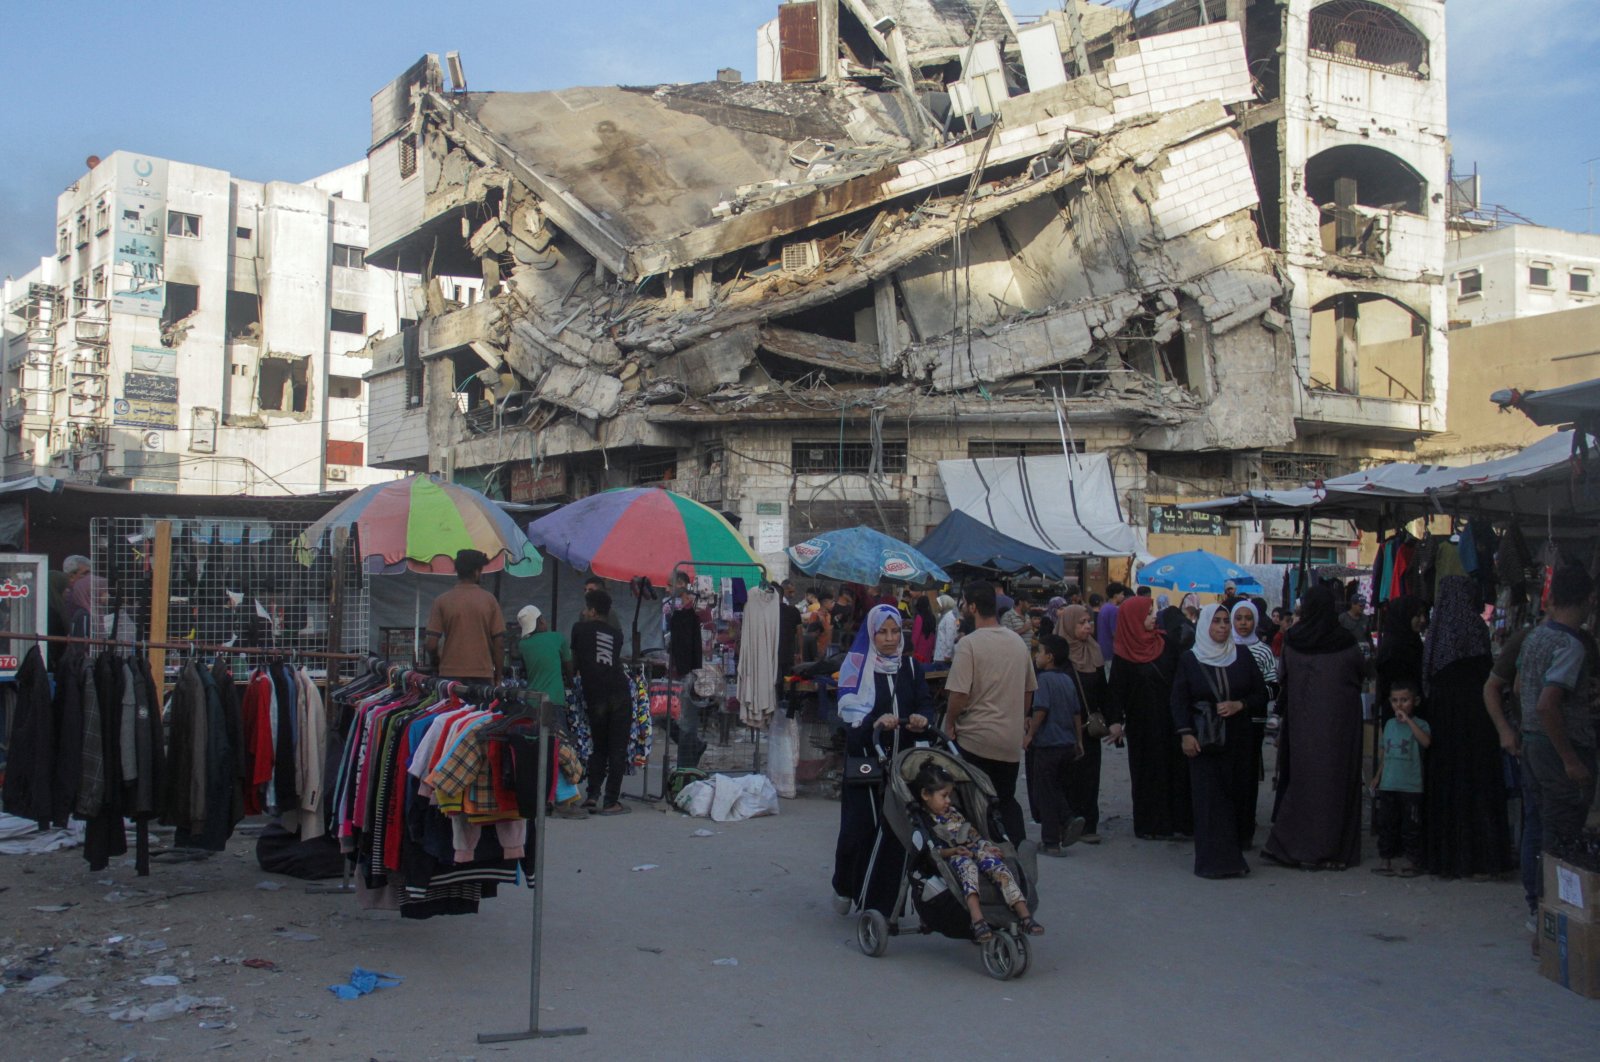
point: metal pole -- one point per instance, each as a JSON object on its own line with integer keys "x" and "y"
{"x": 533, "y": 1032}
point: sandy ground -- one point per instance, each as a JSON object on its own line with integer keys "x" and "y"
{"x": 1141, "y": 960}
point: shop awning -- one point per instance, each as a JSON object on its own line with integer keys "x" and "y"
{"x": 1577, "y": 403}
{"x": 1063, "y": 505}
{"x": 961, "y": 540}
{"x": 1544, "y": 464}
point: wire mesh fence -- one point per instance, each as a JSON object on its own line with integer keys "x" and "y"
{"x": 232, "y": 581}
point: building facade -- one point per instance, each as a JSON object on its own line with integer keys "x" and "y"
{"x": 1520, "y": 271}
{"x": 1208, "y": 248}
{"x": 198, "y": 333}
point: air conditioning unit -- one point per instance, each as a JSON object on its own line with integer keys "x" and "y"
{"x": 338, "y": 474}
{"x": 799, "y": 257}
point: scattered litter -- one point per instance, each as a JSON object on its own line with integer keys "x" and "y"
{"x": 168, "y": 1008}
{"x": 54, "y": 908}
{"x": 48, "y": 983}
{"x": 269, "y": 886}
{"x": 224, "y": 1026}
{"x": 724, "y": 962}
{"x": 652, "y": 951}
{"x": 703, "y": 833}
{"x": 261, "y": 964}
{"x": 118, "y": 939}
{"x": 363, "y": 982}
{"x": 295, "y": 934}
{"x": 647, "y": 866}
{"x": 150, "y": 947}
{"x": 159, "y": 981}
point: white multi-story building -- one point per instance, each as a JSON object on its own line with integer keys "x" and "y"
{"x": 198, "y": 333}
{"x": 1520, "y": 271}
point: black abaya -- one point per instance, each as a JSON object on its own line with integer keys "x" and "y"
{"x": 1318, "y": 817}
{"x": 1083, "y": 774}
{"x": 1464, "y": 795}
{"x": 1157, "y": 769}
{"x": 861, "y": 844}
{"x": 1222, "y": 781}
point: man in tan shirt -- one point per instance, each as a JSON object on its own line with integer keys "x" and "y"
{"x": 467, "y": 619}
{"x": 991, "y": 688}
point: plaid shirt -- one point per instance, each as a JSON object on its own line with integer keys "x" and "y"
{"x": 463, "y": 777}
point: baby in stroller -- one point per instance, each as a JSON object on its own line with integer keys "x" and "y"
{"x": 968, "y": 854}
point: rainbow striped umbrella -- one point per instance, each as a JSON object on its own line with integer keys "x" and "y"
{"x": 418, "y": 523}
{"x": 644, "y": 531}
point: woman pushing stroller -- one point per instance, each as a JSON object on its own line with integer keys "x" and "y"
{"x": 968, "y": 853}
{"x": 881, "y": 692}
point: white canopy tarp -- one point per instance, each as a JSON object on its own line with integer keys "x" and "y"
{"x": 1067, "y": 505}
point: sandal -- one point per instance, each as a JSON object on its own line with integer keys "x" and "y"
{"x": 1387, "y": 872}
{"x": 615, "y": 809}
{"x": 1031, "y": 927}
{"x": 1409, "y": 872}
{"x": 591, "y": 804}
{"x": 982, "y": 932}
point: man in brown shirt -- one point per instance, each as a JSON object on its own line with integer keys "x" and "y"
{"x": 467, "y": 618}
{"x": 991, "y": 687}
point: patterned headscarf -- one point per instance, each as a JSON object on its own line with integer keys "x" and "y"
{"x": 1456, "y": 631}
{"x": 858, "y": 689}
{"x": 1131, "y": 641}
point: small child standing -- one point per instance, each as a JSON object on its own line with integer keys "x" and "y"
{"x": 968, "y": 854}
{"x": 1398, "y": 784}
{"x": 1054, "y": 739}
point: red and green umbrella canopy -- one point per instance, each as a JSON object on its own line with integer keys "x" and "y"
{"x": 644, "y": 531}
{"x": 420, "y": 524}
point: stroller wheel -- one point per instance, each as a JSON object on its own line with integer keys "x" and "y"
{"x": 1023, "y": 955}
{"x": 1000, "y": 957}
{"x": 872, "y": 933}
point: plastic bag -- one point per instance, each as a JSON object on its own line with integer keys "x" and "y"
{"x": 783, "y": 753}
{"x": 695, "y": 799}
{"x": 736, "y": 799}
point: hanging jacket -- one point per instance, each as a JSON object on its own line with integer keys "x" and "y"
{"x": 30, "y": 770}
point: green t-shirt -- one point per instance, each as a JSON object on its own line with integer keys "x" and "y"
{"x": 1402, "y": 757}
{"x": 543, "y": 654}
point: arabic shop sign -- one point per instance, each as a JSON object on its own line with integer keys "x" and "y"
{"x": 1170, "y": 520}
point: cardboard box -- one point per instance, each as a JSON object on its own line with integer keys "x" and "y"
{"x": 1572, "y": 890}
{"x": 1569, "y": 951}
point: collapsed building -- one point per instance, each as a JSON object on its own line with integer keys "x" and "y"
{"x": 1204, "y": 243}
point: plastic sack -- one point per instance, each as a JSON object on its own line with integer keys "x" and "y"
{"x": 783, "y": 753}
{"x": 736, "y": 799}
{"x": 695, "y": 799}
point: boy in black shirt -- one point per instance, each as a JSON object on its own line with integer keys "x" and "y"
{"x": 597, "y": 653}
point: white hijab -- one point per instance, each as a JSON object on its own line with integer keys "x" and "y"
{"x": 1239, "y": 639}
{"x": 1208, "y": 651}
{"x": 858, "y": 684}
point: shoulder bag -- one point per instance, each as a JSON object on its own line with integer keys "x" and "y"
{"x": 867, "y": 769}
{"x": 1094, "y": 723}
{"x": 1210, "y": 729}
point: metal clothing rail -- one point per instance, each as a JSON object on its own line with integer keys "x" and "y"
{"x": 141, "y": 646}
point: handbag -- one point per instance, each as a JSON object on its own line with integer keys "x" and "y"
{"x": 1094, "y": 723}
{"x": 665, "y": 699}
{"x": 1210, "y": 729}
{"x": 862, "y": 770}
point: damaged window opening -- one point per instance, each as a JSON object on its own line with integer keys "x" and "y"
{"x": 1367, "y": 344}
{"x": 181, "y": 224}
{"x": 414, "y": 384}
{"x": 182, "y": 300}
{"x": 244, "y": 315}
{"x": 850, "y": 318}
{"x": 1357, "y": 31}
{"x": 344, "y": 387}
{"x": 348, "y": 321}
{"x": 1298, "y": 469}
{"x": 1352, "y": 183}
{"x": 1190, "y": 466}
{"x": 408, "y": 157}
{"x": 1469, "y": 282}
{"x": 849, "y": 457}
{"x": 283, "y": 384}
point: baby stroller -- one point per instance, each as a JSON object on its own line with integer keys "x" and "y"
{"x": 928, "y": 882}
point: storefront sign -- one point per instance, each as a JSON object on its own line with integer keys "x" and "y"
{"x": 769, "y": 535}
{"x": 148, "y": 401}
{"x": 1170, "y": 520}
{"x": 769, "y": 508}
{"x": 530, "y": 486}
{"x": 23, "y": 606}
{"x": 138, "y": 280}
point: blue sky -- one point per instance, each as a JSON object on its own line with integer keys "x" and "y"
{"x": 279, "y": 90}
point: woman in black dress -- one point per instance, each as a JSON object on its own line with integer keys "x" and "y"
{"x": 1216, "y": 679}
{"x": 1076, "y": 624}
{"x": 883, "y": 700}
{"x": 1142, "y": 665}
{"x": 1464, "y": 795}
{"x": 1400, "y": 648}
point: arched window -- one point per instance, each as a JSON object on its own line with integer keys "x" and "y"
{"x": 1364, "y": 343}
{"x": 1382, "y": 180}
{"x": 1357, "y": 31}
